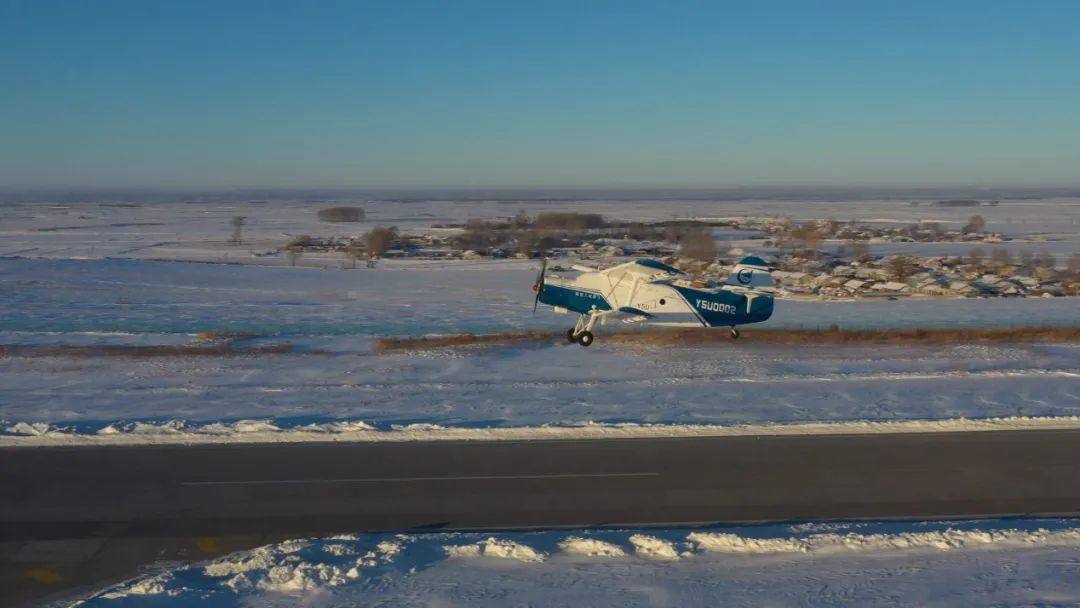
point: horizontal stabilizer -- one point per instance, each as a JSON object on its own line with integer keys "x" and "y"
{"x": 751, "y": 272}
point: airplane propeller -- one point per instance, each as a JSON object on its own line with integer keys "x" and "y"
{"x": 538, "y": 287}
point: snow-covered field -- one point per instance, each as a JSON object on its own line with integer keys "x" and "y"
{"x": 331, "y": 316}
{"x": 829, "y": 564}
{"x": 196, "y": 228}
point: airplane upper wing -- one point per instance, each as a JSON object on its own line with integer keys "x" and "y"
{"x": 643, "y": 268}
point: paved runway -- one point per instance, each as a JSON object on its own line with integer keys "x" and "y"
{"x": 135, "y": 494}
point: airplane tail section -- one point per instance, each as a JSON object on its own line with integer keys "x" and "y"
{"x": 751, "y": 272}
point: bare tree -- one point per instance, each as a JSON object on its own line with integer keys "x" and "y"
{"x": 531, "y": 240}
{"x": 293, "y": 254}
{"x": 354, "y": 253}
{"x": 1045, "y": 259}
{"x": 1000, "y": 256}
{"x": 976, "y": 256}
{"x": 479, "y": 235}
{"x": 975, "y": 224}
{"x": 901, "y": 267}
{"x": 933, "y": 228}
{"x": 698, "y": 245}
{"x": 858, "y": 250}
{"x": 522, "y": 220}
{"x": 237, "y": 223}
{"x": 1072, "y": 266}
{"x": 301, "y": 241}
{"x": 379, "y": 239}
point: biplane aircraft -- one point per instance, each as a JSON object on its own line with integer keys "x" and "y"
{"x": 649, "y": 291}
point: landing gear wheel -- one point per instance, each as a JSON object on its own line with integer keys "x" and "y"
{"x": 585, "y": 338}
{"x": 570, "y": 337}
{"x": 735, "y": 334}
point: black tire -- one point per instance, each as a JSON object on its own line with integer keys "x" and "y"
{"x": 585, "y": 338}
{"x": 735, "y": 334}
{"x": 570, "y": 337}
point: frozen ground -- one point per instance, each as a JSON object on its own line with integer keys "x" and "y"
{"x": 929, "y": 564}
{"x": 172, "y": 227}
{"x": 330, "y": 316}
{"x": 557, "y": 384}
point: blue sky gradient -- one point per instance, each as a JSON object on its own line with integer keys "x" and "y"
{"x": 474, "y": 94}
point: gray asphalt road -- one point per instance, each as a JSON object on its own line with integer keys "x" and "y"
{"x": 257, "y": 491}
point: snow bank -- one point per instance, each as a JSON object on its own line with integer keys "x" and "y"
{"x": 590, "y": 547}
{"x": 291, "y": 578}
{"x": 942, "y": 540}
{"x": 154, "y": 585}
{"x": 651, "y": 547}
{"x": 306, "y": 566}
{"x": 261, "y": 558}
{"x": 260, "y": 431}
{"x": 496, "y": 547}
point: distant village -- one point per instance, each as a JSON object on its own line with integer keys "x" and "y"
{"x": 819, "y": 259}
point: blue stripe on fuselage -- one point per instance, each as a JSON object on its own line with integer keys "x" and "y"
{"x": 575, "y": 299}
{"x": 725, "y": 308}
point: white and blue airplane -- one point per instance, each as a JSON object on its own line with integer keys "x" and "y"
{"x": 647, "y": 290}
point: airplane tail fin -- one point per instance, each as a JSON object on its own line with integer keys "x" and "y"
{"x": 751, "y": 272}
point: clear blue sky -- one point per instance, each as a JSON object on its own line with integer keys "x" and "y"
{"x": 506, "y": 93}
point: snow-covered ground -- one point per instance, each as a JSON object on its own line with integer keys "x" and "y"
{"x": 331, "y": 316}
{"x": 172, "y": 227}
{"x": 398, "y": 298}
{"x": 1012, "y": 562}
{"x": 179, "y": 432}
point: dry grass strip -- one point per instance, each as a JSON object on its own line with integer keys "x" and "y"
{"x": 682, "y": 337}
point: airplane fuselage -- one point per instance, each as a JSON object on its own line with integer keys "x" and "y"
{"x": 665, "y": 303}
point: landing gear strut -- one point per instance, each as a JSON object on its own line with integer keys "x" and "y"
{"x": 734, "y": 333}
{"x": 582, "y": 331}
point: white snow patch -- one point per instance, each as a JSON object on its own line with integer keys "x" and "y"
{"x": 651, "y": 547}
{"x": 389, "y": 549}
{"x": 30, "y": 428}
{"x": 303, "y": 576}
{"x": 590, "y": 547}
{"x": 256, "y": 559}
{"x": 239, "y": 427}
{"x": 261, "y": 558}
{"x": 174, "y": 432}
{"x": 155, "y": 585}
{"x": 285, "y": 568}
{"x": 943, "y": 540}
{"x": 496, "y": 547}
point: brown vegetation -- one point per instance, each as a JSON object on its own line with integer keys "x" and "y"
{"x": 379, "y": 239}
{"x": 682, "y": 337}
{"x": 299, "y": 242}
{"x": 565, "y": 220}
{"x": 698, "y": 245}
{"x": 858, "y": 251}
{"x": 901, "y": 267}
{"x": 237, "y": 223}
{"x": 975, "y": 224}
{"x": 341, "y": 214}
{"x": 479, "y": 235}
